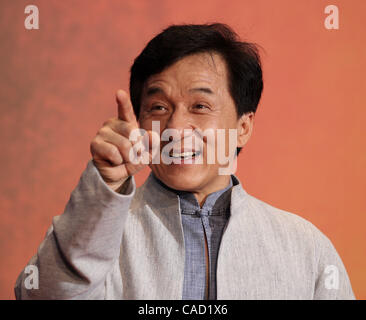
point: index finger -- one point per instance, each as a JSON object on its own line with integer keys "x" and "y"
{"x": 125, "y": 109}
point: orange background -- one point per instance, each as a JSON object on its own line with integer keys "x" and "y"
{"x": 57, "y": 86}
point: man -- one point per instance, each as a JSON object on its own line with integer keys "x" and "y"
{"x": 189, "y": 232}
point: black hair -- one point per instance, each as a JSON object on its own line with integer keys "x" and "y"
{"x": 177, "y": 41}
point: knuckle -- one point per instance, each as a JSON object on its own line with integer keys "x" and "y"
{"x": 108, "y": 122}
{"x": 113, "y": 154}
{"x": 132, "y": 132}
{"x": 98, "y": 132}
{"x": 124, "y": 143}
{"x": 102, "y": 132}
{"x": 93, "y": 145}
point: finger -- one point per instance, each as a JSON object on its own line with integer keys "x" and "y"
{"x": 111, "y": 174}
{"x": 106, "y": 151}
{"x": 125, "y": 109}
{"x": 149, "y": 146}
{"x": 122, "y": 143}
{"x": 122, "y": 127}
{"x": 132, "y": 169}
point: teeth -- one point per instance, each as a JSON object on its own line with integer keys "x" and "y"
{"x": 183, "y": 154}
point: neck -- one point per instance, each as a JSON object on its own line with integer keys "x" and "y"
{"x": 202, "y": 194}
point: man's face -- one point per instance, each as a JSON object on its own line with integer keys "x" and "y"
{"x": 191, "y": 94}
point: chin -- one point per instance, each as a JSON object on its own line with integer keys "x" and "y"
{"x": 181, "y": 177}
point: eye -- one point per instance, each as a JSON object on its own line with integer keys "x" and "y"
{"x": 158, "y": 108}
{"x": 200, "y": 106}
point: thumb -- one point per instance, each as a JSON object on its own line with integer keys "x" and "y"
{"x": 146, "y": 149}
{"x": 154, "y": 146}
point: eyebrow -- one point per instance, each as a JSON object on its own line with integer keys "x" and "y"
{"x": 154, "y": 90}
{"x": 202, "y": 89}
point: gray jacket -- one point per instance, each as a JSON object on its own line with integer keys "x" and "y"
{"x": 108, "y": 245}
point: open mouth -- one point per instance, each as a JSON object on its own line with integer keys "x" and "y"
{"x": 184, "y": 155}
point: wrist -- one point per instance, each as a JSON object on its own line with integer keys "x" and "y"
{"x": 118, "y": 186}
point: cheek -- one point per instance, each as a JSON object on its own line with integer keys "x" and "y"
{"x": 149, "y": 124}
{"x": 227, "y": 139}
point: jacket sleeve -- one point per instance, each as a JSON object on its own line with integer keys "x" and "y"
{"x": 82, "y": 246}
{"x": 332, "y": 281}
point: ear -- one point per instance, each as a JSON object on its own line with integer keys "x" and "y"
{"x": 245, "y": 128}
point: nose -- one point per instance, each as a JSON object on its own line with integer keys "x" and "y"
{"x": 179, "y": 120}
{"x": 180, "y": 129}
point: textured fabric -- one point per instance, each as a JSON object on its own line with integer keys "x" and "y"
{"x": 112, "y": 246}
{"x": 198, "y": 223}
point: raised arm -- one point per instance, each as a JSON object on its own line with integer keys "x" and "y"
{"x": 82, "y": 246}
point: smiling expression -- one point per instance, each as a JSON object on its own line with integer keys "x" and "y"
{"x": 193, "y": 93}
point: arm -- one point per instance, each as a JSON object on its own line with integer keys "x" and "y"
{"x": 82, "y": 246}
{"x": 81, "y": 250}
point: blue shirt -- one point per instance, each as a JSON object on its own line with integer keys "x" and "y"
{"x": 198, "y": 223}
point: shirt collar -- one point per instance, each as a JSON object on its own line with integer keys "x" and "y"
{"x": 216, "y": 203}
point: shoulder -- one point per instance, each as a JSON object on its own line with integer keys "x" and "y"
{"x": 305, "y": 248}
{"x": 289, "y": 226}
{"x": 277, "y": 216}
